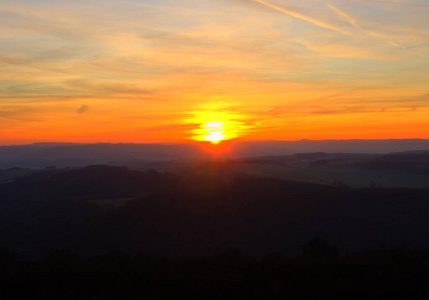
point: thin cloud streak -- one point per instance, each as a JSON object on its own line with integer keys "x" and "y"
{"x": 398, "y": 3}
{"x": 355, "y": 24}
{"x": 303, "y": 17}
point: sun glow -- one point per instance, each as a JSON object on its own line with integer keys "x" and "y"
{"x": 215, "y": 132}
{"x": 216, "y": 123}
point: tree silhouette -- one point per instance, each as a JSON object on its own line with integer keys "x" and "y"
{"x": 319, "y": 248}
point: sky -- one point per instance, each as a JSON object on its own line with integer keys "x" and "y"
{"x": 174, "y": 71}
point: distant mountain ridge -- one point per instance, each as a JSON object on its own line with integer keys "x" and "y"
{"x": 41, "y": 155}
{"x": 73, "y": 155}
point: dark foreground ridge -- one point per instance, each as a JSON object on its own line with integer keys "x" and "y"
{"x": 103, "y": 232}
{"x": 98, "y": 209}
{"x": 319, "y": 273}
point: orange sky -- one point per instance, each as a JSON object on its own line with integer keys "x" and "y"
{"x": 160, "y": 71}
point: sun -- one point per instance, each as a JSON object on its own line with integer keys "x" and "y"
{"x": 215, "y": 123}
{"x": 215, "y": 132}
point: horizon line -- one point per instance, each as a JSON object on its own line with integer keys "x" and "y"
{"x": 203, "y": 142}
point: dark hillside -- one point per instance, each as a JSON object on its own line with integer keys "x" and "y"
{"x": 98, "y": 209}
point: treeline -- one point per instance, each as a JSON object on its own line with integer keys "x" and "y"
{"x": 320, "y": 272}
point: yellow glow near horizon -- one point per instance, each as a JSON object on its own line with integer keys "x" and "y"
{"x": 214, "y": 125}
{"x": 217, "y": 123}
{"x": 214, "y": 132}
{"x": 215, "y": 137}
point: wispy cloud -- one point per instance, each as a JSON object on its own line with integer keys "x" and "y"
{"x": 355, "y": 24}
{"x": 300, "y": 16}
{"x": 399, "y": 3}
{"x": 343, "y": 104}
{"x": 83, "y": 109}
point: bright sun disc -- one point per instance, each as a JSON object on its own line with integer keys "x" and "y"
{"x": 215, "y": 137}
{"x": 214, "y": 123}
{"x": 214, "y": 131}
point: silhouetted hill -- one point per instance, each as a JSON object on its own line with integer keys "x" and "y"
{"x": 89, "y": 183}
{"x": 71, "y": 155}
{"x": 270, "y": 148}
{"x": 99, "y": 209}
{"x": 402, "y": 169}
{"x": 319, "y": 273}
{"x": 64, "y": 155}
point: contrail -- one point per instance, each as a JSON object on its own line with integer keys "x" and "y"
{"x": 345, "y": 16}
{"x": 398, "y": 3}
{"x": 303, "y": 17}
{"x": 354, "y": 23}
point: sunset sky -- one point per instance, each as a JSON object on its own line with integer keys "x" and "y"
{"x": 171, "y": 71}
